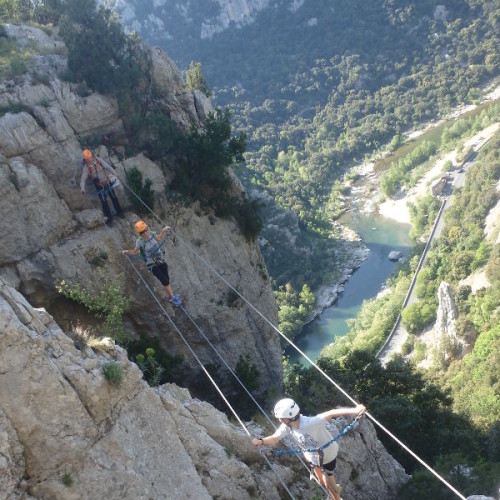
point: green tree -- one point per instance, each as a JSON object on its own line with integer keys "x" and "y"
{"x": 195, "y": 80}
{"x": 204, "y": 172}
{"x": 418, "y": 315}
{"x": 142, "y": 197}
{"x": 99, "y": 52}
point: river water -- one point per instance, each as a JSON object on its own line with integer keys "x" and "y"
{"x": 381, "y": 235}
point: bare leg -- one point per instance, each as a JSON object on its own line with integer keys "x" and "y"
{"x": 168, "y": 289}
{"x": 328, "y": 481}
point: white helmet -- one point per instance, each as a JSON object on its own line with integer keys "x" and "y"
{"x": 286, "y": 408}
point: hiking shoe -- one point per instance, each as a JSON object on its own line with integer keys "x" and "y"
{"x": 175, "y": 300}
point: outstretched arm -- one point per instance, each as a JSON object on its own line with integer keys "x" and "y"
{"x": 107, "y": 166}
{"x": 132, "y": 251}
{"x": 269, "y": 440}
{"x": 343, "y": 412}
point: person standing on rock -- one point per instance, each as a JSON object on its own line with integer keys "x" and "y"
{"x": 311, "y": 433}
{"x": 98, "y": 171}
{"x": 148, "y": 245}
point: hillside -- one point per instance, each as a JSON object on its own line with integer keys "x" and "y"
{"x": 45, "y": 123}
{"x": 317, "y": 88}
{"x": 77, "y": 417}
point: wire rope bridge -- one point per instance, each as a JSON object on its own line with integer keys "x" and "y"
{"x": 296, "y": 452}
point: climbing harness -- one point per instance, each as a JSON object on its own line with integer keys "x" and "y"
{"x": 158, "y": 257}
{"x": 319, "y": 450}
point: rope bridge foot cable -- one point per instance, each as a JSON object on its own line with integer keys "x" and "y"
{"x": 130, "y": 258}
{"x": 313, "y": 364}
{"x": 233, "y": 373}
{"x": 207, "y": 374}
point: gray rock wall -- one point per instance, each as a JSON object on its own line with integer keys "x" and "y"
{"x": 66, "y": 432}
{"x": 50, "y": 232}
{"x": 60, "y": 417}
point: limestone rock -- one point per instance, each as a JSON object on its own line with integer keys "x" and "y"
{"x": 445, "y": 331}
{"x": 184, "y": 107}
{"x": 60, "y": 418}
{"x": 60, "y": 236}
{"x": 33, "y": 215}
{"x": 394, "y": 255}
{"x": 28, "y": 35}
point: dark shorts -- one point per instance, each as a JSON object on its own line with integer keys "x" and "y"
{"x": 328, "y": 468}
{"x": 161, "y": 272}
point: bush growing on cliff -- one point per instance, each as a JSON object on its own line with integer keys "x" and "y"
{"x": 113, "y": 372}
{"x": 195, "y": 79}
{"x": 106, "y": 301}
{"x": 204, "y": 173}
{"x": 143, "y": 200}
{"x": 157, "y": 365}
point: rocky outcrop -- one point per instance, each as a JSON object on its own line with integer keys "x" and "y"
{"x": 66, "y": 432}
{"x": 161, "y": 20}
{"x": 446, "y": 337}
{"x": 395, "y": 255}
{"x": 238, "y": 12}
{"x": 50, "y": 232}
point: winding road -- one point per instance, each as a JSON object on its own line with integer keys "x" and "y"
{"x": 397, "y": 337}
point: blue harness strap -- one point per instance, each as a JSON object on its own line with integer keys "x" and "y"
{"x": 145, "y": 257}
{"x": 320, "y": 449}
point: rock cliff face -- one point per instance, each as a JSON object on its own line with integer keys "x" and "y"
{"x": 445, "y": 331}
{"x": 66, "y": 432}
{"x": 157, "y": 21}
{"x": 50, "y": 232}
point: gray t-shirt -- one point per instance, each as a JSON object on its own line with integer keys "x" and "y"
{"x": 150, "y": 249}
{"x": 311, "y": 433}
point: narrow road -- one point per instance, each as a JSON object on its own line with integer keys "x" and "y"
{"x": 399, "y": 334}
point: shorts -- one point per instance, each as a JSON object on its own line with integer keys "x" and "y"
{"x": 328, "y": 468}
{"x": 160, "y": 270}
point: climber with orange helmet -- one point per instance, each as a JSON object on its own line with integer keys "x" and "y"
{"x": 148, "y": 246}
{"x": 103, "y": 176}
{"x": 311, "y": 434}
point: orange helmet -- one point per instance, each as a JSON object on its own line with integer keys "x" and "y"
{"x": 87, "y": 154}
{"x": 140, "y": 226}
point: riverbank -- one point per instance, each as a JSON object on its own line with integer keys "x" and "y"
{"x": 365, "y": 194}
{"x": 397, "y": 209}
{"x": 327, "y": 295}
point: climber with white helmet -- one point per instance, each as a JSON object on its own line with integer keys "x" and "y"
{"x": 149, "y": 246}
{"x": 103, "y": 176}
{"x": 311, "y": 434}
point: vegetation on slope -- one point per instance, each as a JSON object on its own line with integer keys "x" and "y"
{"x": 449, "y": 415}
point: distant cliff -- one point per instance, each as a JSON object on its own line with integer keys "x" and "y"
{"x": 160, "y": 20}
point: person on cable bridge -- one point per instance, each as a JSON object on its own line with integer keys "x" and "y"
{"x": 98, "y": 171}
{"x": 148, "y": 245}
{"x": 311, "y": 432}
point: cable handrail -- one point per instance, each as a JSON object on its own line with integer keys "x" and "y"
{"x": 130, "y": 259}
{"x": 312, "y": 363}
